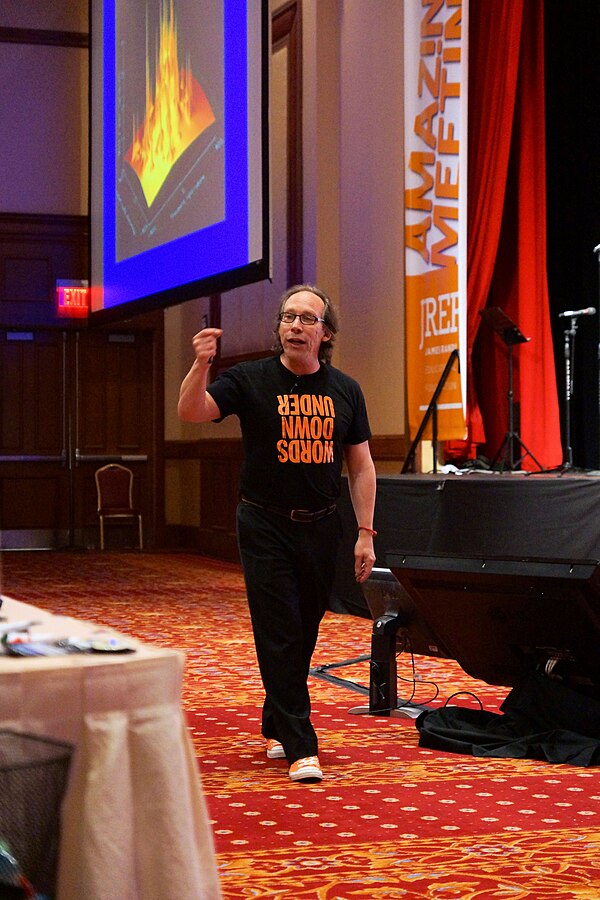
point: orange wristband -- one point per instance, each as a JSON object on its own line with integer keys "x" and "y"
{"x": 365, "y": 528}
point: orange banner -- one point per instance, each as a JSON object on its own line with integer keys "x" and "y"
{"x": 435, "y": 138}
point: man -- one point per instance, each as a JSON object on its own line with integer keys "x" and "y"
{"x": 300, "y": 419}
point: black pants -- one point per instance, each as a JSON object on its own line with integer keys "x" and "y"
{"x": 289, "y": 569}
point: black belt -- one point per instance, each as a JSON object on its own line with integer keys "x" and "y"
{"x": 296, "y": 515}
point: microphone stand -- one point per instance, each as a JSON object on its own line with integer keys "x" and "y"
{"x": 569, "y": 351}
{"x": 597, "y": 252}
{"x": 506, "y": 456}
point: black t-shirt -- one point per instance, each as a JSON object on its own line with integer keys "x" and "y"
{"x": 293, "y": 429}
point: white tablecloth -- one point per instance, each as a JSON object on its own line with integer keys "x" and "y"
{"x": 134, "y": 824}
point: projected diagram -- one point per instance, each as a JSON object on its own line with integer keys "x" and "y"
{"x": 169, "y": 134}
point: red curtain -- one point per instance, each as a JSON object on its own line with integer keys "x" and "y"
{"x": 506, "y": 252}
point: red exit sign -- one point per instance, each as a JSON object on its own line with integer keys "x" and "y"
{"x": 72, "y": 299}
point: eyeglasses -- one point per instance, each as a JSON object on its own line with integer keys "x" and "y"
{"x": 288, "y": 318}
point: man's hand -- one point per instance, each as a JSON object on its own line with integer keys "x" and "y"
{"x": 195, "y": 403}
{"x": 205, "y": 345}
{"x": 364, "y": 556}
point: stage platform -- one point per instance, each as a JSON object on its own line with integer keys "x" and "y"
{"x": 547, "y": 516}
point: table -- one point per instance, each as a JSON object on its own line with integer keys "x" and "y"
{"x": 134, "y": 820}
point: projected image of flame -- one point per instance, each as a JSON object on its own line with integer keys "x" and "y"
{"x": 177, "y": 112}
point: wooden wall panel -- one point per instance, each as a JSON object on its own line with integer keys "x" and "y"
{"x": 35, "y": 252}
{"x": 32, "y": 410}
{"x": 114, "y": 390}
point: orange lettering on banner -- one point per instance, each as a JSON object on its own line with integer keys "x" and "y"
{"x": 445, "y": 187}
{"x": 429, "y": 28}
{"x": 434, "y": 235}
{"x": 447, "y": 143}
{"x": 424, "y": 124}
{"x": 415, "y": 198}
{"x": 440, "y": 214}
{"x": 449, "y": 89}
{"x": 416, "y": 236}
{"x": 452, "y": 29}
{"x": 431, "y": 80}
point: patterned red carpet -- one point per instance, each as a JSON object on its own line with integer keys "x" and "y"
{"x": 389, "y": 820}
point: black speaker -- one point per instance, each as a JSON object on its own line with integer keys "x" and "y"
{"x": 503, "y": 618}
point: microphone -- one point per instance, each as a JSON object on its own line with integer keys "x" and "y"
{"x": 571, "y": 313}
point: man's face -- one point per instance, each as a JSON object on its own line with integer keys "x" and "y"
{"x": 302, "y": 342}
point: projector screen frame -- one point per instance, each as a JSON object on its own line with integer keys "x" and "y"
{"x": 246, "y": 222}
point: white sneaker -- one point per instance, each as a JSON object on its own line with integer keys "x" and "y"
{"x": 275, "y": 749}
{"x": 307, "y": 769}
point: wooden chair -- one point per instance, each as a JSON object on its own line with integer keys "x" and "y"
{"x": 114, "y": 485}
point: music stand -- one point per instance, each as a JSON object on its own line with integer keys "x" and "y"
{"x": 511, "y": 335}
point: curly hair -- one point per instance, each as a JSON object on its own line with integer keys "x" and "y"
{"x": 329, "y": 314}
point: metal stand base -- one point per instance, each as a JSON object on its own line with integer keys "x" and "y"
{"x": 323, "y": 672}
{"x": 382, "y": 690}
{"x": 410, "y": 711}
{"x": 512, "y": 440}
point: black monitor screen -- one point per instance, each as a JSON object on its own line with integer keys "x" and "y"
{"x": 503, "y": 618}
